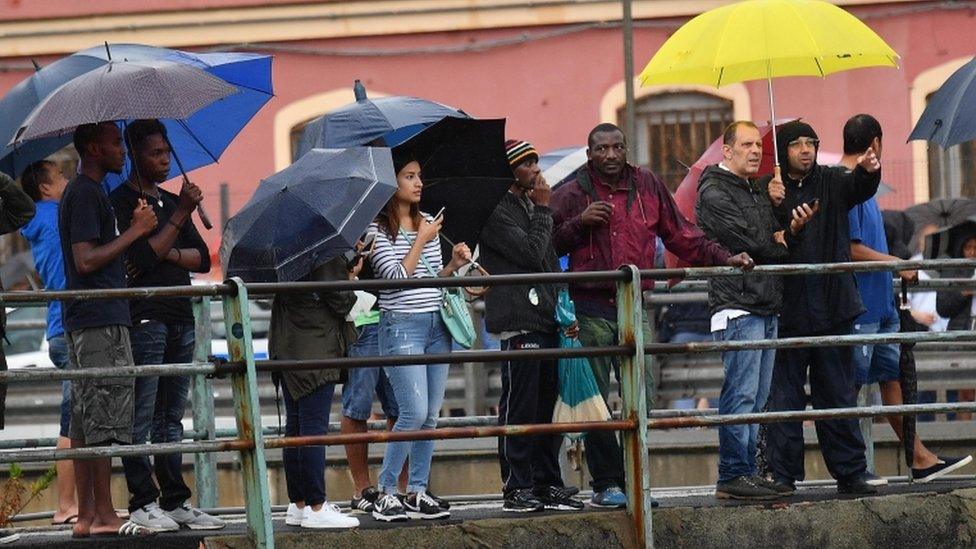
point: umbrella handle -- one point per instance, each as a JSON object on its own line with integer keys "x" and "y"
{"x": 204, "y": 218}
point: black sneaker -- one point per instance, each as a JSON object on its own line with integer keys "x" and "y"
{"x": 421, "y": 506}
{"x": 856, "y": 486}
{"x": 744, "y": 488}
{"x": 944, "y": 466}
{"x": 441, "y": 502}
{"x": 389, "y": 509}
{"x": 571, "y": 490}
{"x": 522, "y": 501}
{"x": 366, "y": 500}
{"x": 781, "y": 488}
{"x": 554, "y": 497}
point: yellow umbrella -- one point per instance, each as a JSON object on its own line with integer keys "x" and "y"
{"x": 763, "y": 39}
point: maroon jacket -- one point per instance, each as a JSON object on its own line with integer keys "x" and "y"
{"x": 641, "y": 210}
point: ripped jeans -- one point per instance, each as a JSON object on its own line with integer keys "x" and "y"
{"x": 419, "y": 391}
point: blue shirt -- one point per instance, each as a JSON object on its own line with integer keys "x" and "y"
{"x": 86, "y": 215}
{"x": 876, "y": 288}
{"x": 42, "y": 233}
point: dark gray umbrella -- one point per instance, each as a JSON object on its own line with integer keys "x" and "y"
{"x": 943, "y": 212}
{"x": 387, "y": 121}
{"x": 307, "y": 213}
{"x": 124, "y": 90}
{"x": 950, "y": 116}
{"x": 948, "y": 242}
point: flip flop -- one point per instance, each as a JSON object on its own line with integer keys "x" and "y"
{"x": 70, "y": 520}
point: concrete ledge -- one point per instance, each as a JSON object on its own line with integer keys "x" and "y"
{"x": 578, "y": 530}
{"x": 929, "y": 520}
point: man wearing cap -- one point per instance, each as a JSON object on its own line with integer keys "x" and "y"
{"x": 609, "y": 215}
{"x": 818, "y": 305}
{"x": 518, "y": 239}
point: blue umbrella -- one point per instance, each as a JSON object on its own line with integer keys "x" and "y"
{"x": 307, "y": 214}
{"x": 198, "y": 141}
{"x": 950, "y": 116}
{"x": 390, "y": 120}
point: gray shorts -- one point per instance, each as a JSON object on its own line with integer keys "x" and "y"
{"x": 101, "y": 408}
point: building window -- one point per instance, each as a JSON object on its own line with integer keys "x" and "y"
{"x": 674, "y": 129}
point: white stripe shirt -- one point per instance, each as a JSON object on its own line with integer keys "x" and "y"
{"x": 387, "y": 263}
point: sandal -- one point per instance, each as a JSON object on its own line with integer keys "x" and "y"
{"x": 71, "y": 519}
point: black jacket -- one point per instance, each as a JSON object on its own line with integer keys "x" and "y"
{"x": 737, "y": 214}
{"x": 817, "y": 302}
{"x": 519, "y": 240}
{"x": 953, "y": 305}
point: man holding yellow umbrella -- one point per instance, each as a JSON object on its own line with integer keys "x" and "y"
{"x": 763, "y": 39}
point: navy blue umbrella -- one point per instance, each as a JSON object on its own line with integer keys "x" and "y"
{"x": 198, "y": 141}
{"x": 950, "y": 116}
{"x": 307, "y": 214}
{"x": 387, "y": 121}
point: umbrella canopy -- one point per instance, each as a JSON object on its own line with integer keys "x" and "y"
{"x": 950, "y": 115}
{"x": 948, "y": 242}
{"x": 465, "y": 171}
{"x": 307, "y": 214}
{"x": 392, "y": 120}
{"x": 765, "y": 39}
{"x": 944, "y": 212}
{"x": 124, "y": 90}
{"x": 560, "y": 165}
{"x": 199, "y": 141}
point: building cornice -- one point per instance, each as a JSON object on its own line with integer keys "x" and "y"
{"x": 304, "y": 21}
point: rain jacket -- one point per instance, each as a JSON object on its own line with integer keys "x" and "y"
{"x": 16, "y": 209}
{"x": 953, "y": 305}
{"x": 737, "y": 214}
{"x": 817, "y": 302}
{"x": 311, "y": 326}
{"x": 642, "y": 209}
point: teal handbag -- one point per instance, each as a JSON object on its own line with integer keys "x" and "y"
{"x": 454, "y": 308}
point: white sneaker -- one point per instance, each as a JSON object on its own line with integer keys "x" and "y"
{"x": 328, "y": 517}
{"x": 294, "y": 515}
{"x": 194, "y": 519}
{"x": 152, "y": 517}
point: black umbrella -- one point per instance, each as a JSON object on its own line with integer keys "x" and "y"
{"x": 465, "y": 171}
{"x": 948, "y": 242}
{"x": 899, "y": 232}
{"x": 944, "y": 212}
{"x": 948, "y": 117}
{"x": 907, "y": 376}
{"x": 307, "y": 214}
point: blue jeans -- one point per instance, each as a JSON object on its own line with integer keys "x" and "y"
{"x": 748, "y": 374}
{"x": 305, "y": 466}
{"x": 877, "y": 363}
{"x": 361, "y": 383}
{"x": 419, "y": 391}
{"x": 159, "y": 406}
{"x": 57, "y": 351}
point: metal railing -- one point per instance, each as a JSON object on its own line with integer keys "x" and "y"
{"x": 632, "y": 351}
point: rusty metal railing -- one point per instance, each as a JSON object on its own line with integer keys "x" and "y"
{"x": 632, "y": 351}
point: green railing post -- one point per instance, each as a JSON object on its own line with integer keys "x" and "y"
{"x": 633, "y": 388}
{"x": 201, "y": 398}
{"x": 247, "y": 412}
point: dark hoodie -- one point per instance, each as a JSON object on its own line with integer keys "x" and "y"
{"x": 737, "y": 214}
{"x": 817, "y": 302}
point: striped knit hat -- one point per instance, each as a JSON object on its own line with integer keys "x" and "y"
{"x": 519, "y": 151}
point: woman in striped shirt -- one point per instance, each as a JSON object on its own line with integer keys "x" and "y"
{"x": 407, "y": 246}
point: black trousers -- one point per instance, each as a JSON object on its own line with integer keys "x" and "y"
{"x": 831, "y": 374}
{"x": 529, "y": 391}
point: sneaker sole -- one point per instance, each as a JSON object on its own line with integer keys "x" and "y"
{"x": 521, "y": 510}
{"x": 728, "y": 495}
{"x": 959, "y": 464}
{"x": 395, "y": 518}
{"x": 562, "y": 508}
{"x": 425, "y": 516}
{"x": 206, "y": 526}
{"x": 329, "y": 526}
{"x": 292, "y": 523}
{"x": 877, "y": 482}
{"x": 607, "y": 506}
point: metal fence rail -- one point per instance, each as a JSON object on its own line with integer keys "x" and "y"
{"x": 241, "y": 368}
